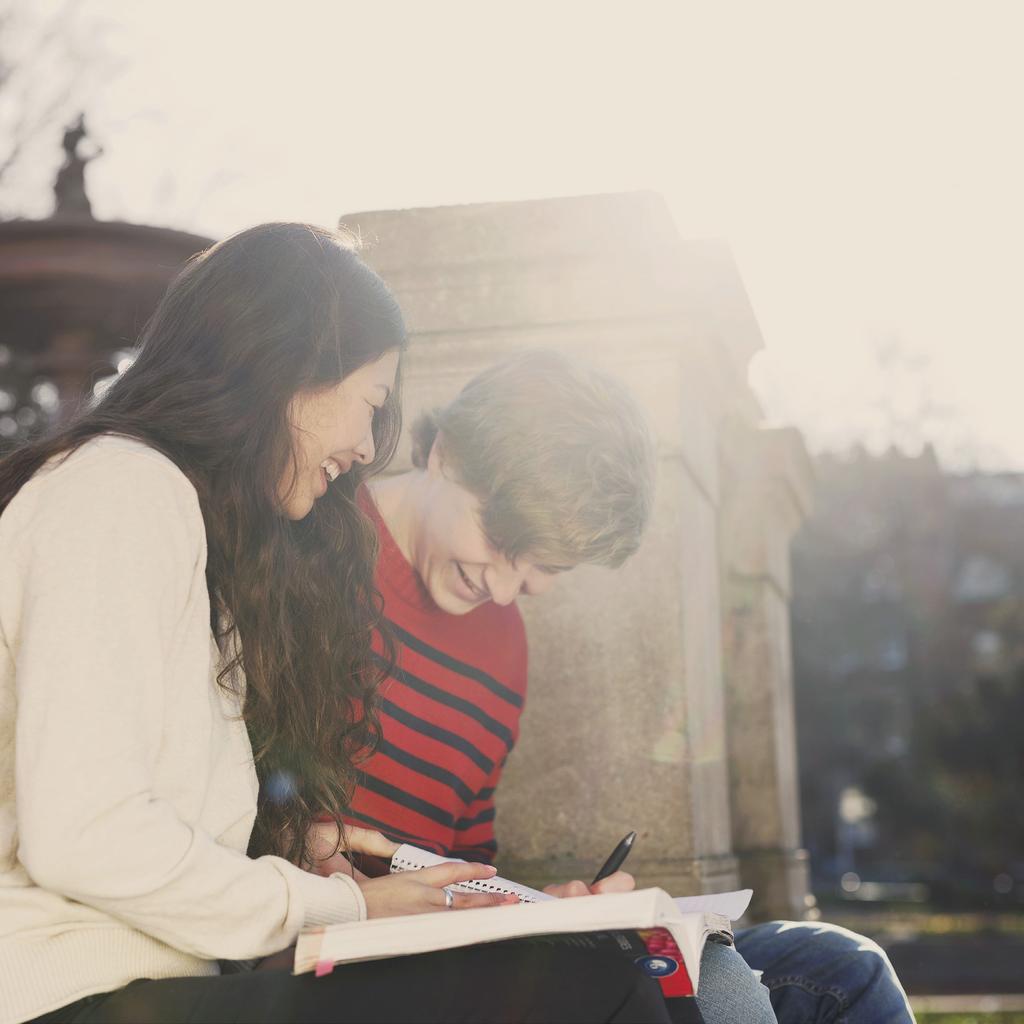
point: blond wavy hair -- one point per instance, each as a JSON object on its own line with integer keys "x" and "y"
{"x": 558, "y": 454}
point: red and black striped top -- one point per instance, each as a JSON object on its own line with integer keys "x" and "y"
{"x": 449, "y": 713}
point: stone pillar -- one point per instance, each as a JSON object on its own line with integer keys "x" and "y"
{"x": 625, "y": 720}
{"x": 766, "y": 485}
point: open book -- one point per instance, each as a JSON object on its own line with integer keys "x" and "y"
{"x": 691, "y": 921}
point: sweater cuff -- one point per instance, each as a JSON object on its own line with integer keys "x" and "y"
{"x": 334, "y": 900}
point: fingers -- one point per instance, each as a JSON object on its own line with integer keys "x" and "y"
{"x": 471, "y": 900}
{"x": 568, "y": 889}
{"x": 620, "y": 881}
{"x": 365, "y": 840}
{"x": 393, "y": 895}
{"x": 448, "y": 874}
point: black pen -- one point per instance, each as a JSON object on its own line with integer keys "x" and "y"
{"x": 615, "y": 861}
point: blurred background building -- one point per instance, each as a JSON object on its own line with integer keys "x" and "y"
{"x": 75, "y": 293}
{"x": 908, "y": 624}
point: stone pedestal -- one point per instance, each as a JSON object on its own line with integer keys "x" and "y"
{"x": 625, "y": 722}
{"x": 766, "y": 481}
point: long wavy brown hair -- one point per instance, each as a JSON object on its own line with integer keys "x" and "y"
{"x": 243, "y": 328}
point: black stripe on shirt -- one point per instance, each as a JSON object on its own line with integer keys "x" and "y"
{"x": 429, "y": 769}
{"x": 461, "y": 667}
{"x": 467, "y": 707}
{"x": 484, "y": 816}
{"x": 435, "y": 732}
{"x": 407, "y": 800}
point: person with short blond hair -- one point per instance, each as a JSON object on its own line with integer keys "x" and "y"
{"x": 558, "y": 454}
{"x": 539, "y": 464}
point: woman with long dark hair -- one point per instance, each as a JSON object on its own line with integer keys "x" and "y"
{"x": 186, "y": 609}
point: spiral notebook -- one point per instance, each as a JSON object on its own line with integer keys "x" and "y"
{"x": 730, "y": 906}
{"x": 412, "y": 858}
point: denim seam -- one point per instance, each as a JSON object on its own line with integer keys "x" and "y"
{"x": 811, "y": 988}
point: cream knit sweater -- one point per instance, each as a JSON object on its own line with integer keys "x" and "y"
{"x": 127, "y": 789}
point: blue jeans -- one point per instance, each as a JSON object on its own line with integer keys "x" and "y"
{"x": 823, "y": 974}
{"x": 728, "y": 992}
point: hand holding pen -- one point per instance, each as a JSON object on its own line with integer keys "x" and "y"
{"x": 608, "y": 879}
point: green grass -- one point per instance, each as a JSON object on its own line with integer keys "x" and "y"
{"x": 970, "y": 1018}
{"x": 909, "y": 921}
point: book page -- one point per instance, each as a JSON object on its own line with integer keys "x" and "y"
{"x": 732, "y": 905}
{"x": 447, "y": 929}
{"x": 412, "y": 858}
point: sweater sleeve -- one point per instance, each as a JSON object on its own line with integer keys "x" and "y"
{"x": 109, "y": 561}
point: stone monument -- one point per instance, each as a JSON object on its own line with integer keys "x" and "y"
{"x": 653, "y": 705}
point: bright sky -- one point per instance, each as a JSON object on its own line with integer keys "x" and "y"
{"x": 865, "y": 160}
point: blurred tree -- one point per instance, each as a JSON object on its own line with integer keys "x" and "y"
{"x": 871, "y": 607}
{"x": 908, "y": 632}
{"x": 956, "y": 801}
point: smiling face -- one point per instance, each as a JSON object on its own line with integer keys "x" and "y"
{"x": 453, "y": 557}
{"x": 331, "y": 429}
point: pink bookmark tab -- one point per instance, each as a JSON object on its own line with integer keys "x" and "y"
{"x": 323, "y": 967}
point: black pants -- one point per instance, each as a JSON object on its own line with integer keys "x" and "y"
{"x": 485, "y": 984}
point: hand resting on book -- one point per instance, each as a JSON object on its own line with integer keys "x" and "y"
{"x": 421, "y": 892}
{"x": 413, "y": 892}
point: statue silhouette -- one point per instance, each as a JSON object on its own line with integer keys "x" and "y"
{"x": 69, "y": 187}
